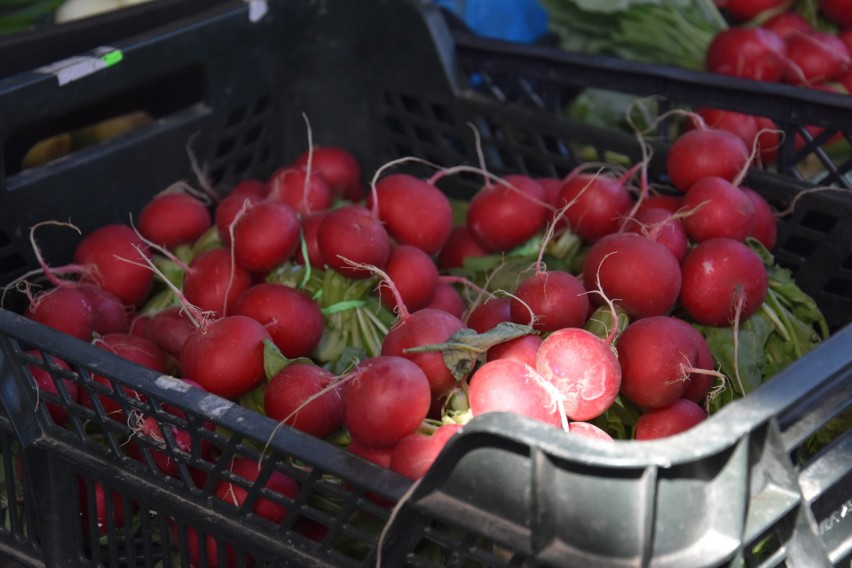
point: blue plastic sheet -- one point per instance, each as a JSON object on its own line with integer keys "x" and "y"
{"x": 522, "y": 21}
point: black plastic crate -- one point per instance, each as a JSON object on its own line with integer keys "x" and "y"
{"x": 383, "y": 78}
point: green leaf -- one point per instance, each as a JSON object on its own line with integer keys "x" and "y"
{"x": 274, "y": 360}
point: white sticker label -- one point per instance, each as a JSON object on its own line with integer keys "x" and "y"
{"x": 73, "y": 68}
{"x": 257, "y": 10}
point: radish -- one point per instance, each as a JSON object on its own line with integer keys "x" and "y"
{"x": 487, "y": 315}
{"x": 67, "y": 309}
{"x": 715, "y": 207}
{"x": 745, "y": 10}
{"x": 351, "y": 235}
{"x": 706, "y": 152}
{"x": 786, "y": 23}
{"x": 245, "y": 472}
{"x": 666, "y": 202}
{"x": 743, "y": 125}
{"x": 552, "y": 187}
{"x": 642, "y": 276}
{"x": 765, "y": 226}
{"x": 109, "y": 314}
{"x": 174, "y": 218}
{"x": 115, "y": 259}
{"x": 225, "y": 356}
{"x": 660, "y": 226}
{"x": 249, "y": 187}
{"x": 310, "y": 229}
{"x": 414, "y": 454}
{"x": 265, "y": 235}
{"x": 589, "y": 430}
{"x": 448, "y": 299}
{"x": 401, "y": 195}
{"x": 502, "y": 217}
{"x": 556, "y": 298}
{"x": 385, "y": 398}
{"x": 459, "y": 246}
{"x": 508, "y": 385}
{"x": 299, "y": 396}
{"x": 717, "y": 275}
{"x": 679, "y": 416}
{"x": 838, "y": 11}
{"x": 228, "y": 209}
{"x": 302, "y": 192}
{"x": 213, "y": 281}
{"x": 379, "y": 456}
{"x": 45, "y": 382}
{"x": 748, "y": 52}
{"x": 700, "y": 383}
{"x": 583, "y": 368}
{"x": 102, "y": 510}
{"x": 168, "y": 329}
{"x": 816, "y": 57}
{"x": 413, "y": 273}
{"x": 656, "y": 355}
{"x": 339, "y": 168}
{"x": 523, "y": 349}
{"x": 293, "y": 320}
{"x": 598, "y": 204}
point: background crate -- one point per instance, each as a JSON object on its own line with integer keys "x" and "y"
{"x": 243, "y": 86}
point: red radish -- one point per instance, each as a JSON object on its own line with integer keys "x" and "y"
{"x": 384, "y": 399}
{"x": 340, "y": 249}
{"x": 715, "y": 207}
{"x": 552, "y": 187}
{"x": 656, "y": 355}
{"x": 235, "y": 491}
{"x": 46, "y": 383}
{"x": 339, "y": 168}
{"x": 679, "y": 416}
{"x": 745, "y": 10}
{"x": 251, "y": 187}
{"x": 168, "y": 329}
{"x": 459, "y": 246}
{"x": 787, "y": 23}
{"x": 557, "y": 299}
{"x": 265, "y": 236}
{"x": 598, "y": 204}
{"x": 768, "y": 139}
{"x": 508, "y": 385}
{"x": 294, "y": 321}
{"x": 414, "y": 274}
{"x": 228, "y": 209}
{"x": 765, "y": 227}
{"x": 214, "y": 282}
{"x": 378, "y": 456}
{"x": 523, "y": 349}
{"x": 103, "y": 511}
{"x": 174, "y": 218}
{"x": 487, "y": 315}
{"x": 109, "y": 314}
{"x": 299, "y": 396}
{"x": 134, "y": 348}
{"x": 115, "y": 257}
{"x": 501, "y": 218}
{"x": 583, "y": 368}
{"x": 303, "y": 193}
{"x": 589, "y": 430}
{"x": 816, "y": 57}
{"x": 226, "y": 356}
{"x": 660, "y": 226}
{"x": 838, "y": 11}
{"x": 743, "y": 125}
{"x": 448, "y": 299}
{"x": 67, "y": 309}
{"x": 717, "y": 273}
{"x": 641, "y": 275}
{"x": 400, "y": 196}
{"x": 424, "y": 327}
{"x": 706, "y": 152}
{"x": 413, "y": 455}
{"x": 747, "y": 52}
{"x": 670, "y": 203}
{"x": 310, "y": 229}
{"x": 700, "y": 383}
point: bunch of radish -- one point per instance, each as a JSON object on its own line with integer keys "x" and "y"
{"x": 382, "y": 316}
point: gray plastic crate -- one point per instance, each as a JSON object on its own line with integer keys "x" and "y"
{"x": 385, "y": 79}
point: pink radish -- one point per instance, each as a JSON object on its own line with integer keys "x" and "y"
{"x": 679, "y": 416}
{"x": 508, "y": 385}
{"x": 523, "y": 349}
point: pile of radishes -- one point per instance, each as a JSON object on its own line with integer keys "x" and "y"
{"x": 389, "y": 313}
{"x": 770, "y": 41}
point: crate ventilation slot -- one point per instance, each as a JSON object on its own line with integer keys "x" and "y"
{"x": 243, "y": 144}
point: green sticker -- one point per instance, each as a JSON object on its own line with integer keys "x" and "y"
{"x": 112, "y": 57}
